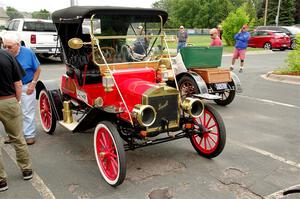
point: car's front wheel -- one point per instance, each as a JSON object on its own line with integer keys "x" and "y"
{"x": 293, "y": 45}
{"x": 110, "y": 153}
{"x": 211, "y": 141}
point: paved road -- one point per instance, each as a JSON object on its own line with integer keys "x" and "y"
{"x": 261, "y": 156}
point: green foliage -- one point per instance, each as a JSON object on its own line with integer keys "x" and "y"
{"x": 233, "y": 23}
{"x": 42, "y": 14}
{"x": 13, "y": 13}
{"x": 293, "y": 60}
{"x": 286, "y": 13}
{"x": 196, "y": 13}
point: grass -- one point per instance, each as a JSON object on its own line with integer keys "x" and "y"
{"x": 204, "y": 40}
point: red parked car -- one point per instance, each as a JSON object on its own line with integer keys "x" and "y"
{"x": 269, "y": 39}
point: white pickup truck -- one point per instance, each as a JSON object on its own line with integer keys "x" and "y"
{"x": 37, "y": 34}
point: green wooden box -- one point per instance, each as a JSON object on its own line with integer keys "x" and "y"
{"x": 202, "y": 57}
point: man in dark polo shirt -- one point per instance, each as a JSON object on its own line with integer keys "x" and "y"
{"x": 11, "y": 74}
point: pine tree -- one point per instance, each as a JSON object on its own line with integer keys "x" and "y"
{"x": 286, "y": 14}
{"x": 297, "y": 13}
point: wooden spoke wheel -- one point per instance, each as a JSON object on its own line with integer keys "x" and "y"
{"x": 46, "y": 112}
{"x": 210, "y": 143}
{"x": 110, "y": 153}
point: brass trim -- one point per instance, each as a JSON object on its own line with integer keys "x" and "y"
{"x": 161, "y": 90}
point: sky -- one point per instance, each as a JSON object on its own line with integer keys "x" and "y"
{"x": 52, "y": 5}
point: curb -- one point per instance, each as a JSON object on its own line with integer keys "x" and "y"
{"x": 266, "y": 52}
{"x": 289, "y": 79}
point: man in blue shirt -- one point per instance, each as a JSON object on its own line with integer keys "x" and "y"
{"x": 241, "y": 44}
{"x": 31, "y": 65}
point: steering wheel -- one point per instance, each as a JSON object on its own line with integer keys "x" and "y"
{"x": 129, "y": 55}
{"x": 108, "y": 52}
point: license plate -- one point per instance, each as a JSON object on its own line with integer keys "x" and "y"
{"x": 221, "y": 86}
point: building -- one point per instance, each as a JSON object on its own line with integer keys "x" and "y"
{"x": 4, "y": 18}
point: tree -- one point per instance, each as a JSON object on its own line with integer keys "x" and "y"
{"x": 196, "y": 13}
{"x": 233, "y": 23}
{"x": 42, "y": 14}
{"x": 297, "y": 13}
{"x": 13, "y": 13}
{"x": 287, "y": 11}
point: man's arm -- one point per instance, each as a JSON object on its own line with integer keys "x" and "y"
{"x": 18, "y": 88}
{"x": 32, "y": 84}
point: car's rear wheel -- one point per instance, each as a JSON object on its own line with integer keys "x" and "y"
{"x": 267, "y": 46}
{"x": 110, "y": 153}
{"x": 46, "y": 112}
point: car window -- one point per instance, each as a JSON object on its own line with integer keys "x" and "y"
{"x": 10, "y": 25}
{"x": 16, "y": 25}
{"x": 253, "y": 34}
{"x": 39, "y": 26}
{"x": 264, "y": 33}
{"x": 279, "y": 33}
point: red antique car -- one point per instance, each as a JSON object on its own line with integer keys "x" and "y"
{"x": 123, "y": 95}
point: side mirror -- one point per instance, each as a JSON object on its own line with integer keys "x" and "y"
{"x": 75, "y": 43}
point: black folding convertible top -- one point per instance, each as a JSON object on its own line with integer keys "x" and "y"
{"x": 71, "y": 14}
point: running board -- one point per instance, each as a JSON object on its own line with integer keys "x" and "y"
{"x": 69, "y": 126}
{"x": 207, "y": 96}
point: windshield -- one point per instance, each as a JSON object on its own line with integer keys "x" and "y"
{"x": 39, "y": 26}
{"x": 130, "y": 41}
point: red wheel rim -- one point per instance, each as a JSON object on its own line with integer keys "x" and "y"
{"x": 45, "y": 111}
{"x": 211, "y": 136}
{"x": 107, "y": 154}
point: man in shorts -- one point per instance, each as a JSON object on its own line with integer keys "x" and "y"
{"x": 241, "y": 44}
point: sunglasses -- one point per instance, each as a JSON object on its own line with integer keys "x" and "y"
{"x": 211, "y": 34}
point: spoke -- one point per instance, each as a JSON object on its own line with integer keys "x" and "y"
{"x": 201, "y": 138}
{"x": 204, "y": 119}
{"x": 211, "y": 139}
{"x": 104, "y": 139}
{"x": 214, "y": 133}
{"x": 101, "y": 142}
{"x": 212, "y": 126}
{"x": 113, "y": 155}
{"x": 205, "y": 147}
{"x": 209, "y": 143}
{"x": 114, "y": 165}
{"x": 208, "y": 121}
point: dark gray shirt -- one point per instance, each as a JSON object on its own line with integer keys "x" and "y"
{"x": 10, "y": 71}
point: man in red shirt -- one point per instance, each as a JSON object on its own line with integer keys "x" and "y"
{"x": 216, "y": 41}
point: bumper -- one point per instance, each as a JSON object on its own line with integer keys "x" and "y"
{"x": 46, "y": 50}
{"x": 280, "y": 45}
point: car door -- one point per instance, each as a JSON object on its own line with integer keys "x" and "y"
{"x": 264, "y": 37}
{"x": 252, "y": 40}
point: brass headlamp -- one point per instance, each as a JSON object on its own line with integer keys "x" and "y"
{"x": 193, "y": 107}
{"x": 108, "y": 81}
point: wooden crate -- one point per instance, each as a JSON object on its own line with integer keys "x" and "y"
{"x": 214, "y": 75}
